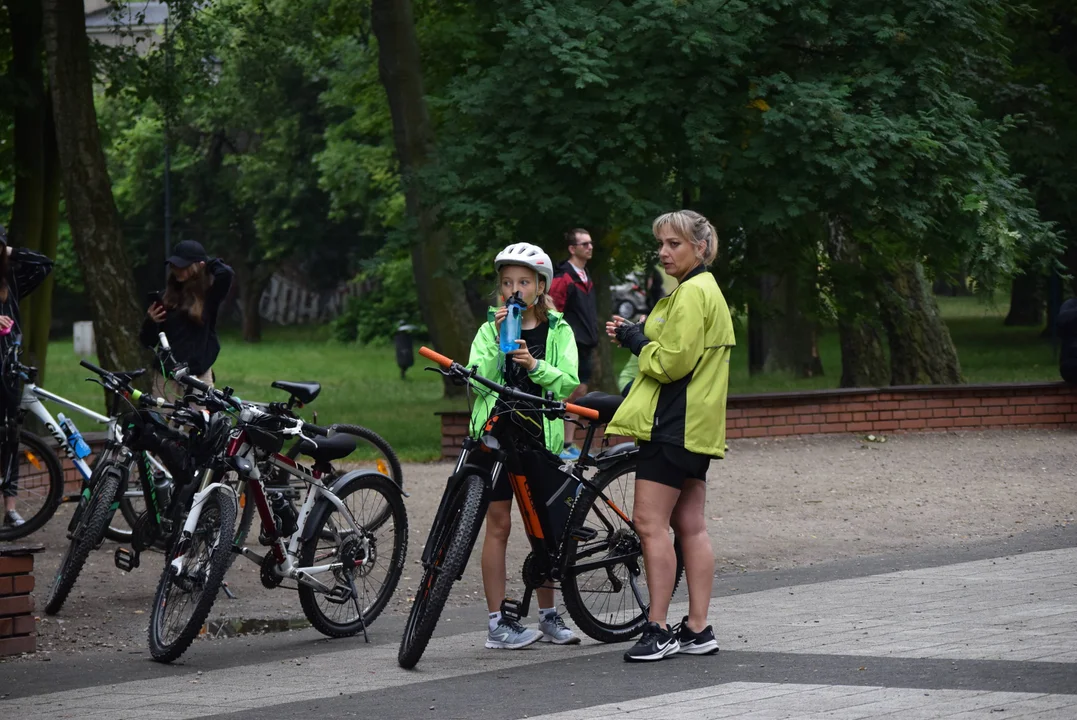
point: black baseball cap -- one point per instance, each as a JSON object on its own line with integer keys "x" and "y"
{"x": 187, "y": 253}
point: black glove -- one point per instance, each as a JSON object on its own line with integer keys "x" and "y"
{"x": 631, "y": 336}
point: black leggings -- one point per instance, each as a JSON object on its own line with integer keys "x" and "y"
{"x": 9, "y": 442}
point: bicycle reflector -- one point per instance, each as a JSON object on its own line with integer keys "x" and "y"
{"x": 33, "y": 459}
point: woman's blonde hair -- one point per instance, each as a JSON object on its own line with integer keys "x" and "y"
{"x": 190, "y": 295}
{"x": 543, "y": 303}
{"x": 691, "y": 227}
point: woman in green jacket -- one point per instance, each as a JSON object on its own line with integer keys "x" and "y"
{"x": 545, "y": 362}
{"x": 676, "y": 411}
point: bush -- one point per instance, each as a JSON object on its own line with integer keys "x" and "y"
{"x": 390, "y": 302}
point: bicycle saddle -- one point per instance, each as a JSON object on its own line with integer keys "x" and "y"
{"x": 327, "y": 449}
{"x": 304, "y": 392}
{"x": 605, "y": 403}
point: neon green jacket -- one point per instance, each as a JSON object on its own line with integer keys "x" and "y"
{"x": 679, "y": 396}
{"x": 557, "y": 373}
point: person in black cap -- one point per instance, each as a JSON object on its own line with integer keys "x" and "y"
{"x": 21, "y": 271}
{"x": 187, "y": 311}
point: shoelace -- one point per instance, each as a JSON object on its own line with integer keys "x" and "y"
{"x": 513, "y": 625}
{"x": 558, "y": 622}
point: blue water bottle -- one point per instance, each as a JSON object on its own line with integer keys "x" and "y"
{"x": 510, "y": 326}
{"x": 74, "y": 437}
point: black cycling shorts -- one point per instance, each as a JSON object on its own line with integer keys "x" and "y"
{"x": 670, "y": 464}
{"x": 586, "y": 354}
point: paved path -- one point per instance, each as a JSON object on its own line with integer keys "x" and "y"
{"x": 981, "y": 632}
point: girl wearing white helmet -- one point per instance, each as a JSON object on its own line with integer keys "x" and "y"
{"x": 545, "y": 362}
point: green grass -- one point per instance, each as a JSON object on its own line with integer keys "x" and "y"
{"x": 362, "y": 385}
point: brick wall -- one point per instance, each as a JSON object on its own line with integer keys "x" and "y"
{"x": 873, "y": 410}
{"x": 18, "y": 634}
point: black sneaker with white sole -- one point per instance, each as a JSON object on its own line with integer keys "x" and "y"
{"x": 692, "y": 643}
{"x": 656, "y": 643}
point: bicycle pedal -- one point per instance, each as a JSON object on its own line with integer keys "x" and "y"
{"x": 125, "y": 559}
{"x": 584, "y": 534}
{"x": 511, "y": 609}
{"x": 339, "y": 595}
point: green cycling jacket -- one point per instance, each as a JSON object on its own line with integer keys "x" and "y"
{"x": 679, "y": 396}
{"x": 557, "y": 373}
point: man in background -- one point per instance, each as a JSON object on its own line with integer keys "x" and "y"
{"x": 573, "y": 293}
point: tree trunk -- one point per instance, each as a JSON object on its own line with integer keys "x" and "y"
{"x": 603, "y": 377}
{"x": 252, "y": 283}
{"x": 863, "y": 363}
{"x": 1026, "y": 303}
{"x": 440, "y": 289}
{"x": 921, "y": 351}
{"x": 90, "y": 207}
{"x": 35, "y": 214}
{"x": 789, "y": 338}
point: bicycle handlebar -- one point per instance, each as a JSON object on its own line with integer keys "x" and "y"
{"x": 184, "y": 376}
{"x": 458, "y": 369}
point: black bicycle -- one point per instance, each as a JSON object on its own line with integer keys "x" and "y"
{"x": 581, "y": 537}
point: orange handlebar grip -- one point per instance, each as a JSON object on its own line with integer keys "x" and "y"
{"x": 435, "y": 356}
{"x": 583, "y": 412}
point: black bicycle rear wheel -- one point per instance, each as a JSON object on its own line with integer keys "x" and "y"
{"x": 87, "y": 534}
{"x": 450, "y": 553}
{"x": 184, "y": 598}
{"x": 378, "y": 550}
{"x": 601, "y": 599}
{"x": 38, "y": 477}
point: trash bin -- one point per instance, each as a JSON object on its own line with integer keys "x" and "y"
{"x": 405, "y": 350}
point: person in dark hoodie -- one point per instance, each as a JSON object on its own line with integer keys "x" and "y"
{"x": 187, "y": 312}
{"x": 1066, "y": 323}
{"x": 21, "y": 272}
{"x": 573, "y": 294}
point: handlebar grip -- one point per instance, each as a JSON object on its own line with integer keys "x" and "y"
{"x": 435, "y": 356}
{"x": 93, "y": 368}
{"x": 584, "y": 412}
{"x": 163, "y": 340}
{"x": 191, "y": 381}
{"x": 316, "y": 429}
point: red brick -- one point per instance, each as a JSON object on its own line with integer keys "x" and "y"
{"x": 940, "y": 403}
{"x": 1026, "y": 400}
{"x": 871, "y": 416}
{"x": 914, "y": 404}
{"x": 858, "y": 407}
{"x": 913, "y": 424}
{"x": 887, "y": 425}
{"x": 755, "y": 412}
{"x": 1071, "y": 417}
{"x": 940, "y": 422}
{"x": 1051, "y": 419}
{"x": 734, "y": 433}
{"x": 996, "y": 420}
{"x": 755, "y": 422}
{"x": 1023, "y": 410}
{"x": 970, "y": 411}
{"x": 900, "y": 414}
{"x": 967, "y": 402}
{"x": 16, "y": 645}
{"x": 781, "y": 420}
{"x": 860, "y": 427}
{"x": 784, "y": 430}
{"x": 6, "y": 585}
{"x": 731, "y": 413}
{"x": 1009, "y": 410}
{"x": 887, "y": 405}
{"x": 7, "y": 627}
{"x": 966, "y": 422}
{"x": 24, "y": 625}
{"x": 936, "y": 413}
{"x": 832, "y": 427}
{"x": 808, "y": 409}
{"x": 805, "y": 429}
{"x": 996, "y": 401}
{"x": 845, "y": 417}
{"x": 754, "y": 432}
{"x": 23, "y": 584}
{"x": 886, "y": 415}
{"x": 816, "y": 418}
{"x": 832, "y": 417}
{"x": 16, "y": 565}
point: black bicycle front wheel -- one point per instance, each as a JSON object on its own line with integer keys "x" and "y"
{"x": 450, "y": 553}
{"x": 602, "y": 566}
{"x": 376, "y": 552}
{"x": 35, "y": 478}
{"x": 88, "y": 533}
{"x": 192, "y": 578}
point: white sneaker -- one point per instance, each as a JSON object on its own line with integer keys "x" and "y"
{"x": 555, "y": 631}
{"x": 511, "y": 635}
{"x": 13, "y": 519}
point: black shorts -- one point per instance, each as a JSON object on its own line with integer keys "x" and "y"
{"x": 586, "y": 354}
{"x": 670, "y": 464}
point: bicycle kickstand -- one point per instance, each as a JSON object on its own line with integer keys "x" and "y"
{"x": 358, "y": 609}
{"x": 227, "y": 591}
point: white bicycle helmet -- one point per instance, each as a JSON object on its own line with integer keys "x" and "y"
{"x": 528, "y": 255}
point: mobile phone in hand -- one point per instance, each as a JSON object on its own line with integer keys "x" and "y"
{"x": 154, "y": 297}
